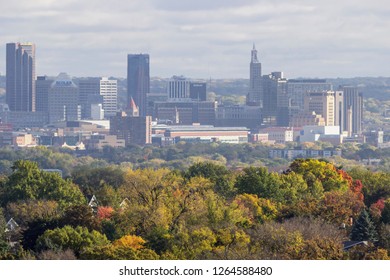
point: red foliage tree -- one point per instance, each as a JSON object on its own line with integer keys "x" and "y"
{"x": 104, "y": 212}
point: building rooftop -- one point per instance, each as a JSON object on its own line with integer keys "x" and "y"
{"x": 199, "y": 128}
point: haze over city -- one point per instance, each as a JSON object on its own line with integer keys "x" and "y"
{"x": 202, "y": 39}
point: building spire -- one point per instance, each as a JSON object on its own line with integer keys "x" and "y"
{"x": 254, "y": 55}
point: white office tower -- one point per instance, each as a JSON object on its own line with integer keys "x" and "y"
{"x": 109, "y": 92}
{"x": 178, "y": 89}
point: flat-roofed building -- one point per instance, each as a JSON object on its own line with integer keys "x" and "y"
{"x": 207, "y": 133}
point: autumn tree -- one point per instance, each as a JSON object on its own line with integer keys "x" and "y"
{"x": 27, "y": 211}
{"x": 338, "y": 206}
{"x": 314, "y": 170}
{"x": 376, "y": 185}
{"x": 257, "y": 210}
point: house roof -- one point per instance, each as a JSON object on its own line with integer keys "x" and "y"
{"x": 349, "y": 244}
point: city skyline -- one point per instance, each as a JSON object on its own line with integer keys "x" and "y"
{"x": 202, "y": 39}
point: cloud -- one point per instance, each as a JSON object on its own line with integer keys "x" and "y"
{"x": 202, "y": 38}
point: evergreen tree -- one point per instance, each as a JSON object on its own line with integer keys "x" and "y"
{"x": 364, "y": 228}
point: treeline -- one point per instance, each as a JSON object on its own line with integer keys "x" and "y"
{"x": 182, "y": 155}
{"x": 206, "y": 211}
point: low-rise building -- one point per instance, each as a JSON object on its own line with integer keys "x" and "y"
{"x": 302, "y": 153}
{"x": 313, "y": 133}
{"x": 280, "y": 135}
{"x": 207, "y": 133}
{"x": 98, "y": 141}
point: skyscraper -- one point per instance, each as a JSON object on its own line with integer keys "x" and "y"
{"x": 89, "y": 94}
{"x": 43, "y": 84}
{"x": 20, "y": 81}
{"x": 64, "y": 100}
{"x": 296, "y": 90}
{"x": 255, "y": 94}
{"x": 275, "y": 99}
{"x": 322, "y": 103}
{"x": 178, "y": 89}
{"x": 109, "y": 92}
{"x": 353, "y": 100}
{"x": 138, "y": 80}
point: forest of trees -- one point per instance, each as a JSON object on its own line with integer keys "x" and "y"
{"x": 204, "y": 211}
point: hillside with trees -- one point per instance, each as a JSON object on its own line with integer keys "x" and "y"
{"x": 311, "y": 210}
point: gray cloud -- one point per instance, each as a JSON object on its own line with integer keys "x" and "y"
{"x": 202, "y": 38}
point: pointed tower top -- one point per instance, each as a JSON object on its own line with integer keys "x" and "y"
{"x": 254, "y": 55}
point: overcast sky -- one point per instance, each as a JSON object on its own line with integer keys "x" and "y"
{"x": 202, "y": 38}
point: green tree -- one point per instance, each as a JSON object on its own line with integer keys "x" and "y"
{"x": 257, "y": 180}
{"x": 222, "y": 178}
{"x": 386, "y": 212}
{"x": 28, "y": 182}
{"x": 79, "y": 215}
{"x": 3, "y": 240}
{"x": 76, "y": 239}
{"x": 364, "y": 228}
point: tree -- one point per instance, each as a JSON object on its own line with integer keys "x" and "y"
{"x": 3, "y": 240}
{"x": 76, "y": 239}
{"x": 325, "y": 172}
{"x": 79, "y": 215}
{"x": 130, "y": 241}
{"x": 338, "y": 206}
{"x": 257, "y": 180}
{"x": 386, "y": 212}
{"x": 364, "y": 228}
{"x": 294, "y": 188}
{"x": 29, "y": 182}
{"x": 258, "y": 210}
{"x": 218, "y": 174}
{"x": 90, "y": 180}
{"x": 376, "y": 185}
{"x": 29, "y": 210}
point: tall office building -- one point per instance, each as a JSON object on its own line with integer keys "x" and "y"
{"x": 178, "y": 89}
{"x": 64, "y": 100}
{"x": 138, "y": 80}
{"x": 198, "y": 91}
{"x": 339, "y": 115}
{"x": 42, "y": 85}
{"x": 255, "y": 94}
{"x": 296, "y": 90}
{"x": 275, "y": 99}
{"x": 322, "y": 103}
{"x": 20, "y": 81}
{"x": 109, "y": 92}
{"x": 89, "y": 94}
{"x": 353, "y": 100}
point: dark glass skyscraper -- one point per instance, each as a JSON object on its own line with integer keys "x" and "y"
{"x": 138, "y": 80}
{"x": 20, "y": 81}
